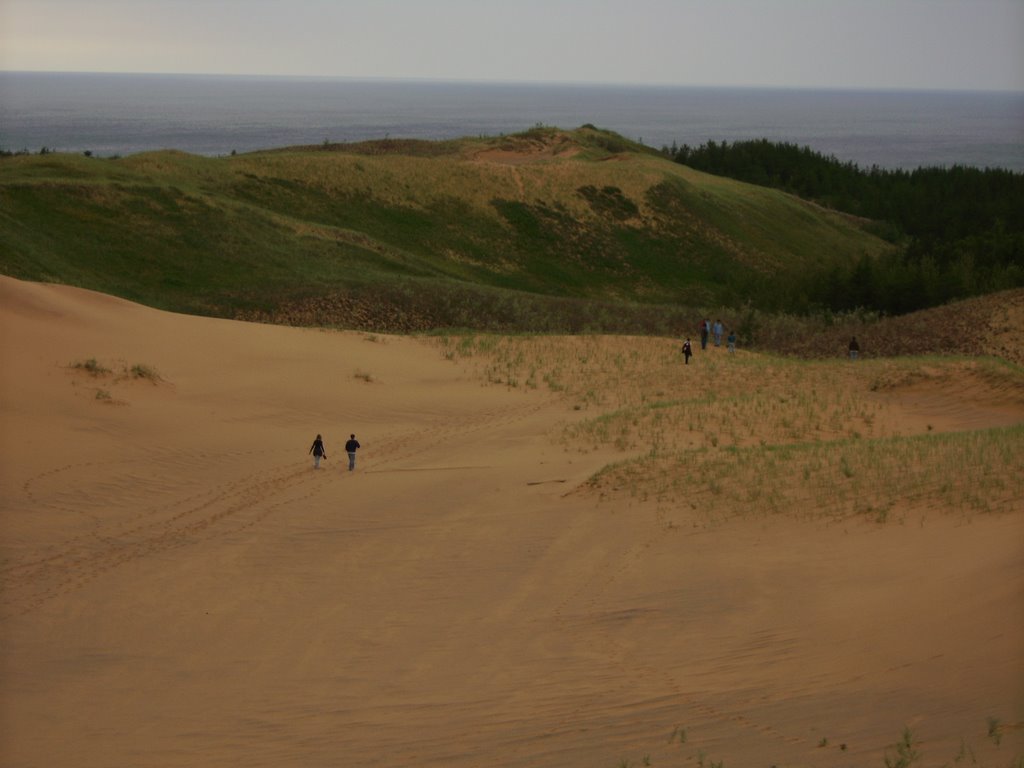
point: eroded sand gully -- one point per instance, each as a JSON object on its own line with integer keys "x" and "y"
{"x": 180, "y": 587}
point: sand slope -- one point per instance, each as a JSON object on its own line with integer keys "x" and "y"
{"x": 181, "y": 588}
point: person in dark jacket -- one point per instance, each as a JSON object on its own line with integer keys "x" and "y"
{"x": 687, "y": 351}
{"x": 350, "y": 448}
{"x": 854, "y": 348}
{"x": 318, "y": 451}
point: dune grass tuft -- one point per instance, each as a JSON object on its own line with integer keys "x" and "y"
{"x": 140, "y": 371}
{"x": 91, "y": 366}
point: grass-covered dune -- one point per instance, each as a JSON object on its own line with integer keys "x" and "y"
{"x": 545, "y": 230}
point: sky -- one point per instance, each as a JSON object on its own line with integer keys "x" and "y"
{"x": 891, "y": 44}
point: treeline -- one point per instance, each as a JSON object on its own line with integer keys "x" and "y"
{"x": 960, "y": 230}
{"x": 23, "y": 152}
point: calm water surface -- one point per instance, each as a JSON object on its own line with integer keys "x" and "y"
{"x": 213, "y": 115}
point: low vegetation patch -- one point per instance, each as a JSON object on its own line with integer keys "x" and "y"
{"x": 755, "y": 435}
{"x": 139, "y": 371}
{"x": 91, "y": 366}
{"x": 115, "y": 373}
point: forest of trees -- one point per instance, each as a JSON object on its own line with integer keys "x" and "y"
{"x": 959, "y": 230}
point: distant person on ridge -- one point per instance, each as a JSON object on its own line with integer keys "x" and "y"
{"x": 318, "y": 451}
{"x": 718, "y": 333}
{"x": 705, "y": 330}
{"x": 732, "y": 342}
{"x": 854, "y": 348}
{"x": 350, "y": 448}
{"x": 687, "y": 351}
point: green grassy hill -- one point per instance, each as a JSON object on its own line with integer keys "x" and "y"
{"x": 549, "y": 229}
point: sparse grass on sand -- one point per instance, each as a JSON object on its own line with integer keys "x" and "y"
{"x": 118, "y": 371}
{"x": 751, "y": 435}
{"x": 140, "y": 371}
{"x": 91, "y": 366}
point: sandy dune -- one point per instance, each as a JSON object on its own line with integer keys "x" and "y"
{"x": 181, "y": 588}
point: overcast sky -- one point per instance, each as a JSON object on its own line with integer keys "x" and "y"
{"x": 946, "y": 44}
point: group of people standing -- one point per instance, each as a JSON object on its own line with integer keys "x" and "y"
{"x": 319, "y": 452}
{"x": 707, "y": 332}
{"x": 713, "y": 331}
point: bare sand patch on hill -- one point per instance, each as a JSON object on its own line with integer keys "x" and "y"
{"x": 548, "y": 554}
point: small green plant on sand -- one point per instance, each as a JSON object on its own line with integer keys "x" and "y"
{"x": 994, "y": 731}
{"x": 905, "y": 752}
{"x": 91, "y": 366}
{"x": 139, "y": 371}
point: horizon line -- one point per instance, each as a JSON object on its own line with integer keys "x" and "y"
{"x": 500, "y": 82}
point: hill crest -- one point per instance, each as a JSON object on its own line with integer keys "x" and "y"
{"x": 580, "y": 219}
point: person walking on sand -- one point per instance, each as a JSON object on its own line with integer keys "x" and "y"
{"x": 318, "y": 451}
{"x": 687, "y": 351}
{"x": 854, "y": 348}
{"x": 718, "y": 333}
{"x": 350, "y": 448}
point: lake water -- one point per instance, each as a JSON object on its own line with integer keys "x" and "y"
{"x": 112, "y": 114}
